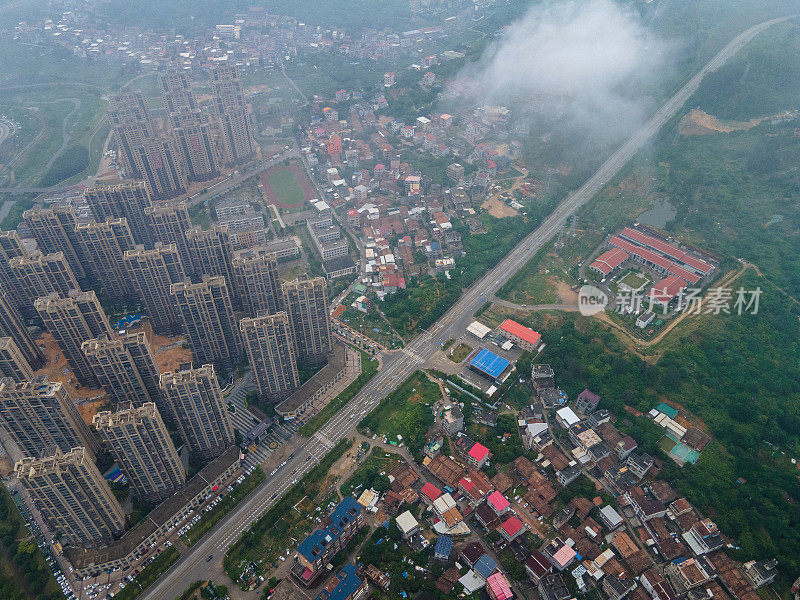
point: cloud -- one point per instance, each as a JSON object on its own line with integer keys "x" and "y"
{"x": 591, "y": 62}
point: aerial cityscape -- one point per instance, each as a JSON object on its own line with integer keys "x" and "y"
{"x": 408, "y": 299}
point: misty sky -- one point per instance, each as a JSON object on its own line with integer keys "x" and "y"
{"x": 587, "y": 60}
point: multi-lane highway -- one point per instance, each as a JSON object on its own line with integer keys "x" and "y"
{"x": 215, "y": 189}
{"x": 396, "y": 367}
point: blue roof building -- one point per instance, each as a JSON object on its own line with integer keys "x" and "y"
{"x": 485, "y": 566}
{"x": 319, "y": 547}
{"x": 488, "y": 364}
{"x": 344, "y": 586}
{"x": 444, "y": 546}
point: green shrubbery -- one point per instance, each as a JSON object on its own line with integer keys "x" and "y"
{"x": 74, "y": 160}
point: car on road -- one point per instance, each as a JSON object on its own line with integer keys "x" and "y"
{"x": 210, "y": 556}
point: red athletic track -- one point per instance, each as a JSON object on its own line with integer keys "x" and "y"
{"x": 301, "y": 178}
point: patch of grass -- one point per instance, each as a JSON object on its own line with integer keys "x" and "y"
{"x": 199, "y": 216}
{"x": 368, "y": 323}
{"x": 23, "y": 570}
{"x": 287, "y": 188}
{"x": 368, "y": 475}
{"x": 149, "y": 574}
{"x": 459, "y": 353}
{"x": 21, "y": 203}
{"x": 633, "y": 280}
{"x": 369, "y": 367}
{"x": 75, "y": 160}
{"x": 407, "y": 412}
{"x": 420, "y": 304}
{"x": 191, "y": 592}
{"x": 216, "y": 514}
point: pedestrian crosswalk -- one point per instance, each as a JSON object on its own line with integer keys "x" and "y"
{"x": 244, "y": 421}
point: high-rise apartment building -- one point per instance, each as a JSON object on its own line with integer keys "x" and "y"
{"x": 12, "y": 325}
{"x": 169, "y": 224}
{"x": 41, "y": 274}
{"x": 125, "y": 200}
{"x": 73, "y": 497}
{"x": 231, "y": 109}
{"x": 39, "y": 415}
{"x": 13, "y": 363}
{"x": 193, "y": 134}
{"x": 270, "y": 349}
{"x": 257, "y": 283}
{"x": 130, "y": 120}
{"x": 72, "y": 320}
{"x": 140, "y": 443}
{"x": 11, "y": 247}
{"x": 162, "y": 168}
{"x": 54, "y": 231}
{"x": 210, "y": 252}
{"x": 145, "y": 361}
{"x": 151, "y": 273}
{"x": 116, "y": 371}
{"x": 195, "y": 141}
{"x": 176, "y": 89}
{"x": 200, "y": 413}
{"x": 104, "y": 245}
{"x": 306, "y": 302}
{"x": 208, "y": 321}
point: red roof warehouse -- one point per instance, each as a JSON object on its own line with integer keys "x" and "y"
{"x": 668, "y": 249}
{"x": 667, "y": 289}
{"x": 609, "y": 260}
{"x": 655, "y": 260}
{"x": 524, "y": 337}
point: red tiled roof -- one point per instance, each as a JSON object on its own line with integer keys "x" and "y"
{"x": 499, "y": 586}
{"x": 666, "y": 289}
{"x": 667, "y": 249}
{"x": 478, "y": 452}
{"x": 524, "y": 333}
{"x": 512, "y": 526}
{"x": 654, "y": 258}
{"x": 498, "y": 501}
{"x": 431, "y": 491}
{"x": 610, "y": 260}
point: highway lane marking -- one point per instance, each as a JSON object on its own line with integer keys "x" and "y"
{"x": 574, "y": 201}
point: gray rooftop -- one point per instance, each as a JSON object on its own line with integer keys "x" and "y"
{"x": 337, "y": 361}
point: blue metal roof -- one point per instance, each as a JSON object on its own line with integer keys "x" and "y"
{"x": 314, "y": 545}
{"x": 444, "y": 545}
{"x": 489, "y": 363}
{"x": 349, "y": 582}
{"x": 485, "y": 566}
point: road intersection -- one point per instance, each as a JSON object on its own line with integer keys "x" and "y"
{"x": 397, "y": 366}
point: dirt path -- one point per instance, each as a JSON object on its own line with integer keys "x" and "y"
{"x": 636, "y": 346}
{"x": 495, "y": 205}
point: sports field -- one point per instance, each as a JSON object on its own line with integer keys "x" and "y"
{"x": 634, "y": 280}
{"x": 287, "y": 187}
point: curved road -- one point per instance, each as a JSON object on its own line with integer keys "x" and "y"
{"x": 65, "y": 135}
{"x": 396, "y": 367}
{"x": 5, "y": 131}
